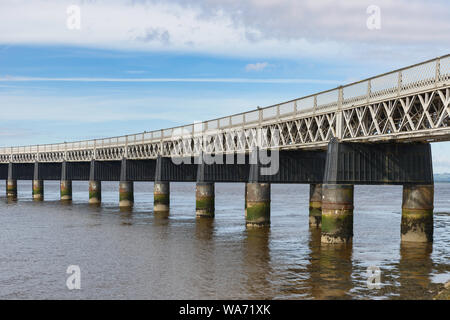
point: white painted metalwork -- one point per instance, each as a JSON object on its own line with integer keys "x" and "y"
{"x": 409, "y": 104}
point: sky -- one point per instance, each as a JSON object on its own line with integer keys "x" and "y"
{"x": 72, "y": 70}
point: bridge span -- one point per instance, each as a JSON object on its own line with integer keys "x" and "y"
{"x": 374, "y": 131}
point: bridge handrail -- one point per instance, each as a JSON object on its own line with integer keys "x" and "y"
{"x": 423, "y": 75}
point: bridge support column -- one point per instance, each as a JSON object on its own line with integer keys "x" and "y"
{"x": 38, "y": 190}
{"x": 95, "y": 185}
{"x": 126, "y": 194}
{"x": 11, "y": 183}
{"x": 204, "y": 199}
{"x": 417, "y": 213}
{"x": 161, "y": 196}
{"x": 66, "y": 184}
{"x": 337, "y": 213}
{"x": 245, "y": 199}
{"x": 95, "y": 192}
{"x": 315, "y": 204}
{"x": 126, "y": 187}
{"x": 257, "y": 212}
{"x": 66, "y": 190}
{"x": 11, "y": 189}
{"x": 38, "y": 184}
{"x": 161, "y": 189}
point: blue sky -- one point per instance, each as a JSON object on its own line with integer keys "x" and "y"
{"x": 194, "y": 60}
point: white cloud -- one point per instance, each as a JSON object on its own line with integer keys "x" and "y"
{"x": 257, "y": 28}
{"x": 406, "y": 21}
{"x": 259, "y": 66}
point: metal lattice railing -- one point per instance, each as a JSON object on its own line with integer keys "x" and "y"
{"x": 315, "y": 117}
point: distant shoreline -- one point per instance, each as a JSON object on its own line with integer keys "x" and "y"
{"x": 441, "y": 177}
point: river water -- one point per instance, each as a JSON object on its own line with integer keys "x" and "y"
{"x": 136, "y": 255}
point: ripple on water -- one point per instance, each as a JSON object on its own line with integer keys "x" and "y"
{"x": 137, "y": 254}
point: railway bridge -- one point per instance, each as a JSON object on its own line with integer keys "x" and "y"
{"x": 374, "y": 131}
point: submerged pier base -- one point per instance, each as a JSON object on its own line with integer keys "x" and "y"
{"x": 204, "y": 199}
{"x": 315, "y": 205}
{"x": 161, "y": 197}
{"x": 11, "y": 189}
{"x": 95, "y": 192}
{"x": 417, "y": 213}
{"x": 66, "y": 190}
{"x": 337, "y": 213}
{"x": 257, "y": 212}
{"x": 126, "y": 194}
{"x": 38, "y": 190}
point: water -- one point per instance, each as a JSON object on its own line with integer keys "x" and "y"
{"x": 136, "y": 255}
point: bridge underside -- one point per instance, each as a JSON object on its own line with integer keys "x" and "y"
{"x": 294, "y": 167}
{"x": 343, "y": 163}
{"x": 378, "y": 163}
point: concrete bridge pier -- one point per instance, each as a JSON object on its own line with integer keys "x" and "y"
{"x": 95, "y": 186}
{"x": 204, "y": 199}
{"x": 66, "y": 190}
{"x": 126, "y": 194}
{"x": 66, "y": 184}
{"x": 11, "y": 184}
{"x": 126, "y": 187}
{"x": 38, "y": 184}
{"x": 204, "y": 193}
{"x": 95, "y": 192}
{"x": 161, "y": 189}
{"x": 417, "y": 213}
{"x": 337, "y": 213}
{"x": 257, "y": 212}
{"x": 245, "y": 198}
{"x": 315, "y": 204}
{"x": 38, "y": 190}
{"x": 257, "y": 194}
{"x": 11, "y": 189}
{"x": 161, "y": 197}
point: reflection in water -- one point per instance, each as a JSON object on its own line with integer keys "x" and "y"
{"x": 204, "y": 256}
{"x": 96, "y": 205}
{"x": 313, "y": 268}
{"x": 126, "y": 209}
{"x": 126, "y": 217}
{"x": 94, "y": 208}
{"x": 204, "y": 228}
{"x": 256, "y": 262}
{"x": 415, "y": 267}
{"x": 330, "y": 268}
{"x": 161, "y": 215}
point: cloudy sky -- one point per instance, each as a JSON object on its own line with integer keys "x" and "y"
{"x": 142, "y": 65}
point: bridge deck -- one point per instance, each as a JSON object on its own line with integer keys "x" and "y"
{"x": 409, "y": 104}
